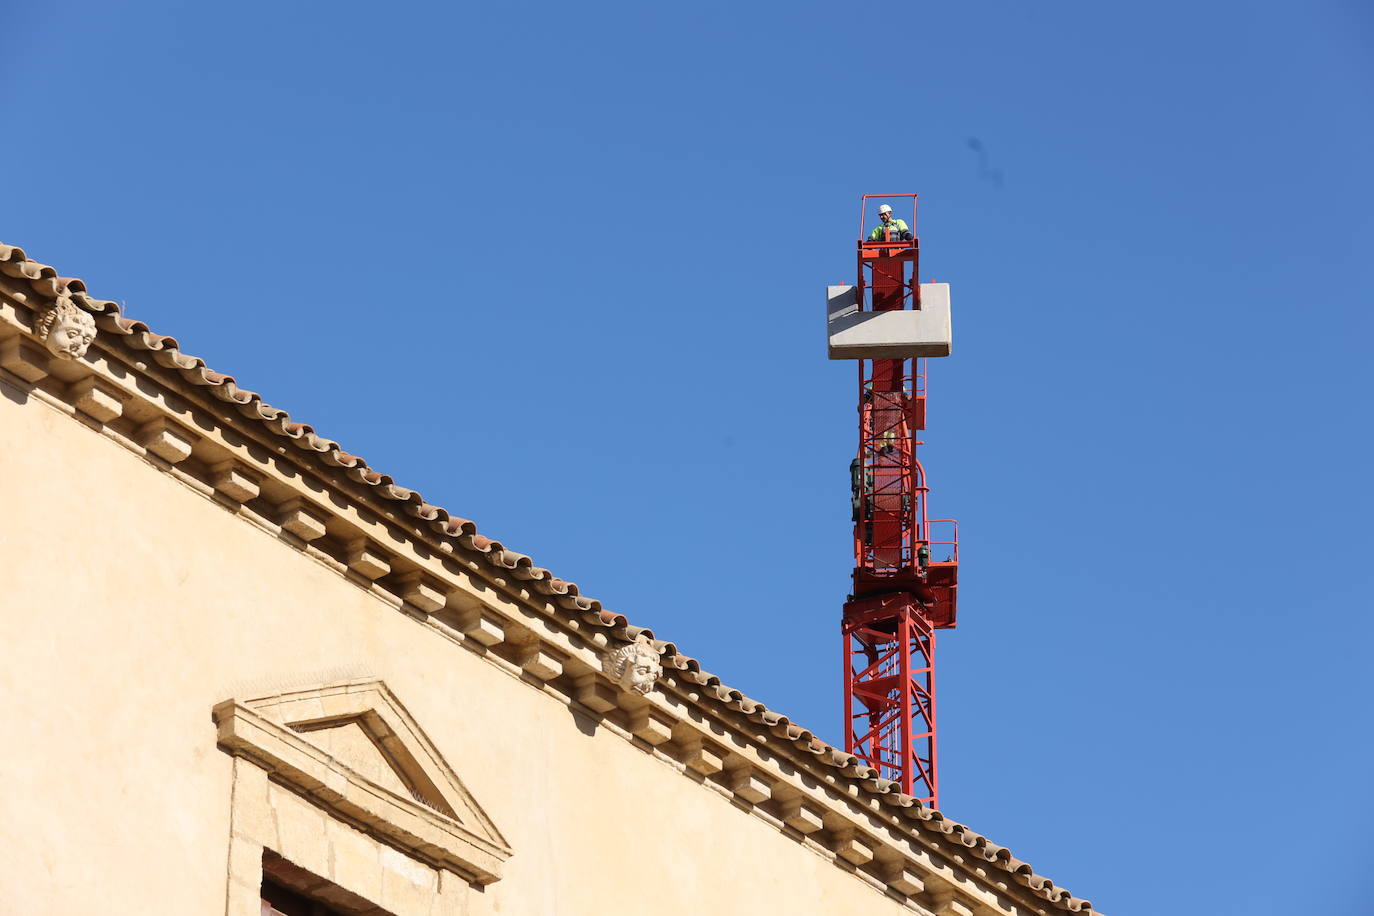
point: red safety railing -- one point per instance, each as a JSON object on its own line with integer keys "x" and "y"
{"x": 884, "y": 281}
{"x": 864, "y": 218}
{"x": 950, "y": 540}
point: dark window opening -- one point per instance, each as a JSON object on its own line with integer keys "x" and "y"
{"x": 289, "y": 890}
{"x": 278, "y": 900}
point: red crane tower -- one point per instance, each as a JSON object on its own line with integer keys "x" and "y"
{"x": 891, "y": 322}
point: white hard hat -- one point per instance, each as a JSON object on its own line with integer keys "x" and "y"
{"x": 884, "y": 209}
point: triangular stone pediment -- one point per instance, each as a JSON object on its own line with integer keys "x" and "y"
{"x": 352, "y": 747}
{"x": 364, "y": 726}
{"x": 354, "y": 742}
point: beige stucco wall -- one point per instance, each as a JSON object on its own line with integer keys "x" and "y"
{"x": 132, "y": 605}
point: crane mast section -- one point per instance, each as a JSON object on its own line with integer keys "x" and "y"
{"x": 905, "y": 579}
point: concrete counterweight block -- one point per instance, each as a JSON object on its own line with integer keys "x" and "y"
{"x": 900, "y": 334}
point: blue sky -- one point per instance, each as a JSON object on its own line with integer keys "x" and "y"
{"x": 560, "y": 268}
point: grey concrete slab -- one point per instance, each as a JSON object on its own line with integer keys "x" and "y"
{"x": 908, "y": 333}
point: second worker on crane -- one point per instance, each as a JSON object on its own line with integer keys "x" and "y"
{"x": 889, "y": 230}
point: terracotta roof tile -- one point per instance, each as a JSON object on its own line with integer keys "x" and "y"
{"x": 166, "y": 351}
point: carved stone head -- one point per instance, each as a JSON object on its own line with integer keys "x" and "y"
{"x": 634, "y": 666}
{"x": 66, "y": 329}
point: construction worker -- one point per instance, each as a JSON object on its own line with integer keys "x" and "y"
{"x": 889, "y": 229}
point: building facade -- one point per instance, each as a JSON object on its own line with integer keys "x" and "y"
{"x": 246, "y": 673}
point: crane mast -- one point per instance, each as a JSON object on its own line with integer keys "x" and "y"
{"x": 906, "y": 564}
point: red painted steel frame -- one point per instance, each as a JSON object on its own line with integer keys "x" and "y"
{"x": 902, "y": 594}
{"x": 890, "y": 691}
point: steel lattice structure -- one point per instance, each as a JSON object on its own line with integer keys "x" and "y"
{"x": 901, "y": 594}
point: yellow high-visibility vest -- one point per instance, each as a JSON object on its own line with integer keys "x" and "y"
{"x": 880, "y": 234}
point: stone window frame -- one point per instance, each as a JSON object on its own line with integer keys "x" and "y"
{"x": 293, "y": 801}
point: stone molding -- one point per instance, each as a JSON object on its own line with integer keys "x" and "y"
{"x": 442, "y": 826}
{"x": 151, "y": 408}
{"x": 276, "y": 831}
